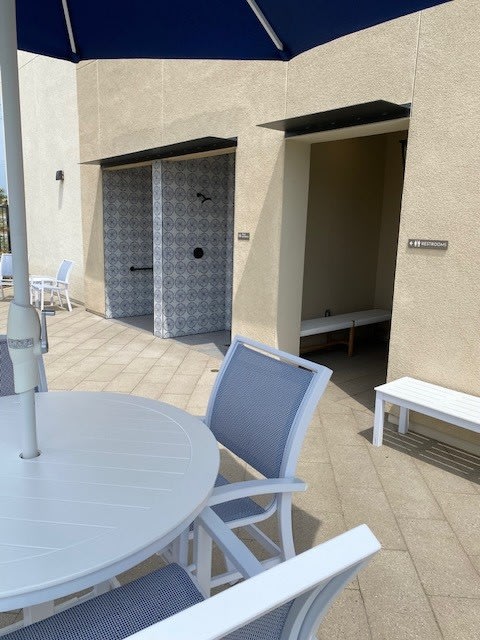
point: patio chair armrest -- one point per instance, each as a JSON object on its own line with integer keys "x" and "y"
{"x": 250, "y": 488}
{"x": 233, "y": 548}
{"x": 42, "y": 284}
{"x": 231, "y": 609}
{"x": 40, "y": 280}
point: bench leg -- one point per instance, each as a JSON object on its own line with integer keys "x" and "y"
{"x": 379, "y": 420}
{"x": 403, "y": 420}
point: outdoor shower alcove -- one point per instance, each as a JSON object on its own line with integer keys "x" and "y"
{"x": 353, "y": 217}
{"x": 168, "y": 239}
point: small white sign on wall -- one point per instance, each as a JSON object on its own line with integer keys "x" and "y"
{"x": 428, "y": 244}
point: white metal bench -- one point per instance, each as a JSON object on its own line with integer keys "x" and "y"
{"x": 329, "y": 324}
{"x": 453, "y": 407}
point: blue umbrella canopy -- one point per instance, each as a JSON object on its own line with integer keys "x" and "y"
{"x": 95, "y": 29}
{"x": 212, "y": 29}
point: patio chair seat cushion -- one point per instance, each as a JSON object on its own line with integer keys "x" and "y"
{"x": 236, "y": 509}
{"x": 121, "y": 612}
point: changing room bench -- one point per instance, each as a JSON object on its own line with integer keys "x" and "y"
{"x": 350, "y": 321}
{"x": 410, "y": 394}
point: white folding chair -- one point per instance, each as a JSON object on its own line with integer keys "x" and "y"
{"x": 58, "y": 285}
{"x": 6, "y": 271}
{"x": 260, "y": 408}
{"x": 287, "y": 601}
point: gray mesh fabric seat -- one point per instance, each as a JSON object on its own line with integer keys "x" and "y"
{"x": 7, "y": 387}
{"x": 167, "y": 604}
{"x": 235, "y": 509}
{"x": 121, "y": 612}
{"x": 117, "y": 614}
{"x": 259, "y": 409}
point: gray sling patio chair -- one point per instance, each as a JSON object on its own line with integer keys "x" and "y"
{"x": 7, "y": 387}
{"x": 260, "y": 408}
{"x": 286, "y": 602}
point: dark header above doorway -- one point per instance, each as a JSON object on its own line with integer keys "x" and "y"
{"x": 351, "y": 116}
{"x": 200, "y": 145}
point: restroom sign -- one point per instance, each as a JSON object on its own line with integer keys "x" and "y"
{"x": 415, "y": 243}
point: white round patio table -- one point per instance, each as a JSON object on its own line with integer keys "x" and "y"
{"x": 118, "y": 478}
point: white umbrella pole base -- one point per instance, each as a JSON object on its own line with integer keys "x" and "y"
{"x": 23, "y": 338}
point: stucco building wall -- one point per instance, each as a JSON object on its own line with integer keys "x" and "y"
{"x": 50, "y": 143}
{"x": 441, "y": 290}
{"x": 390, "y": 220}
{"x": 436, "y": 307}
{"x": 126, "y": 106}
{"x": 431, "y": 60}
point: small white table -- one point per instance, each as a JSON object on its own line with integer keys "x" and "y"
{"x": 118, "y": 478}
{"x": 37, "y": 284}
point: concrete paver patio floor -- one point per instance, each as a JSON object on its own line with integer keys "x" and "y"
{"x": 421, "y": 498}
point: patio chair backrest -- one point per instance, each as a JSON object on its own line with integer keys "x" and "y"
{"x": 296, "y": 594}
{"x": 300, "y": 618}
{"x": 6, "y": 266}
{"x": 63, "y": 272}
{"x": 7, "y": 385}
{"x": 262, "y": 403}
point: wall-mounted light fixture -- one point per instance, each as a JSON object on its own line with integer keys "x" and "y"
{"x": 59, "y": 175}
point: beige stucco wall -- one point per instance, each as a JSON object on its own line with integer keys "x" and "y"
{"x": 126, "y": 106}
{"x": 441, "y": 290}
{"x": 376, "y": 63}
{"x": 436, "y": 309}
{"x": 390, "y": 220}
{"x": 131, "y": 105}
{"x": 292, "y": 243}
{"x": 93, "y": 245}
{"x": 50, "y": 142}
{"x": 430, "y": 59}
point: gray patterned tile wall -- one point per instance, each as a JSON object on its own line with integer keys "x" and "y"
{"x": 192, "y": 295}
{"x": 128, "y": 241}
{"x": 229, "y": 246}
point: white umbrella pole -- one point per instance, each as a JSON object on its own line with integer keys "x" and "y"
{"x": 23, "y": 323}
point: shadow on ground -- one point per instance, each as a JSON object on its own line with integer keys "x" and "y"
{"x": 443, "y": 456}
